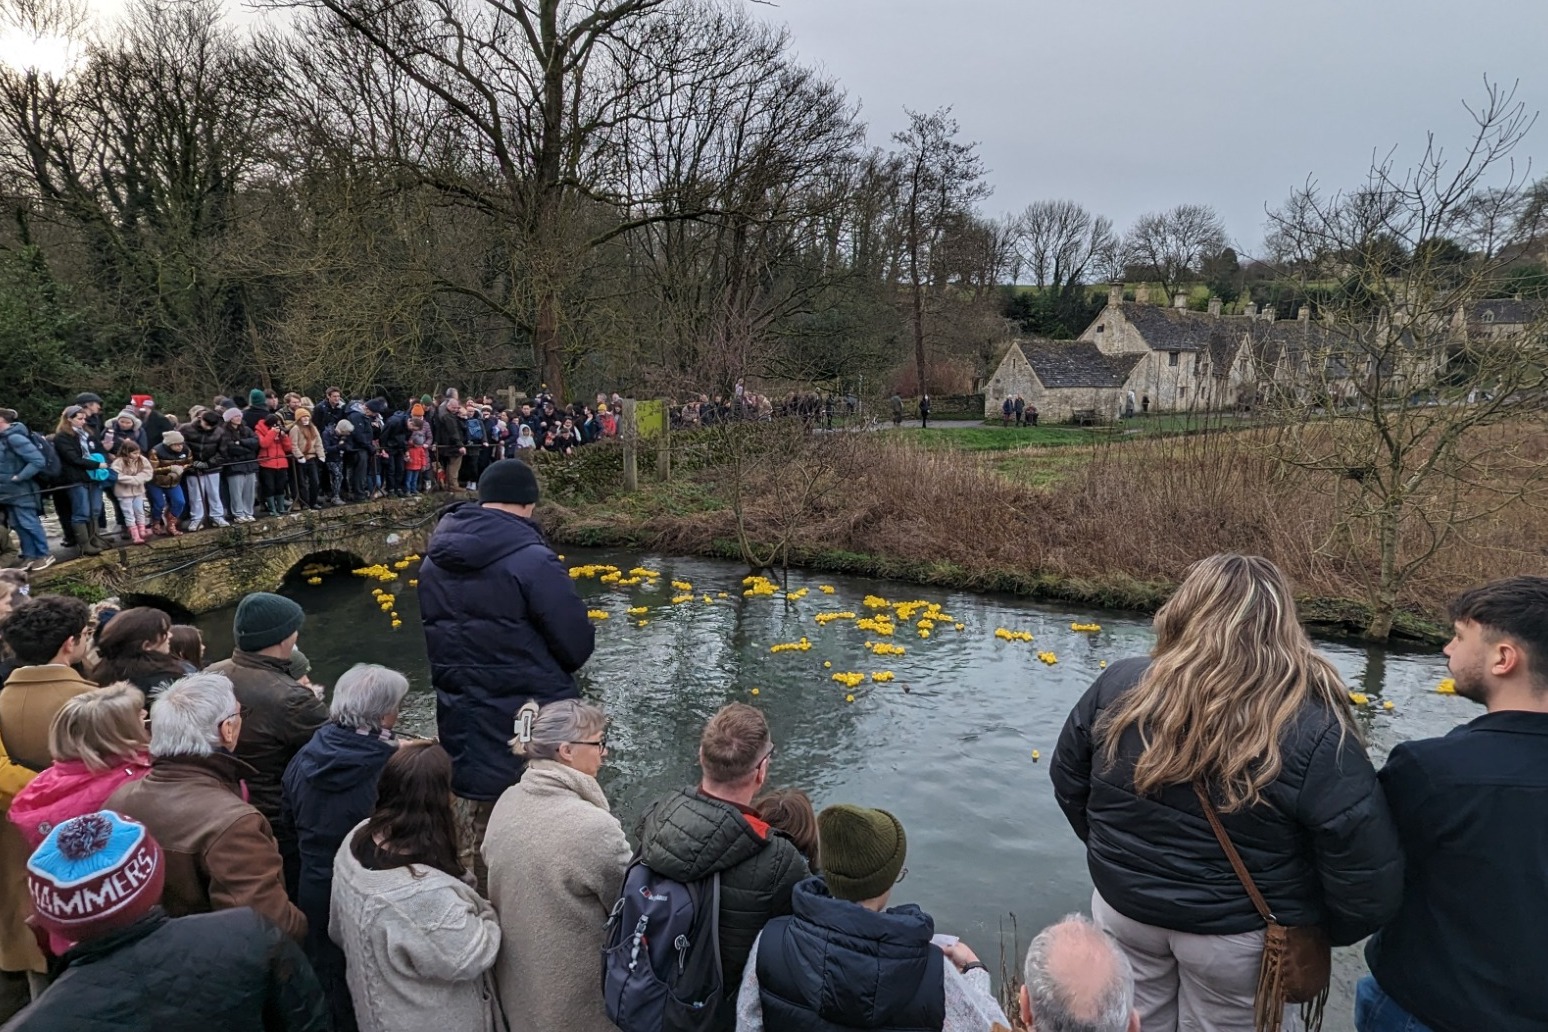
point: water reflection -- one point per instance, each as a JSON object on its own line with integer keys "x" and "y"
{"x": 947, "y": 746}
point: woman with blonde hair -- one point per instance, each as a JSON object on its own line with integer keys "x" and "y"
{"x": 556, "y": 857}
{"x": 1234, "y": 705}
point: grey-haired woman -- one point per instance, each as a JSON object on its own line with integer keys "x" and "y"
{"x": 556, "y": 857}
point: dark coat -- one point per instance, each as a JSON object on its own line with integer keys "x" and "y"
{"x": 834, "y": 966}
{"x": 326, "y": 413}
{"x": 447, "y": 429}
{"x": 1465, "y": 950}
{"x": 688, "y": 836}
{"x": 503, "y": 624}
{"x": 395, "y": 433}
{"x": 230, "y": 970}
{"x": 75, "y": 467}
{"x": 200, "y": 438}
{"x": 20, "y": 463}
{"x": 156, "y": 426}
{"x": 237, "y": 445}
{"x": 1321, "y": 846}
{"x": 329, "y": 787}
{"x": 279, "y": 717}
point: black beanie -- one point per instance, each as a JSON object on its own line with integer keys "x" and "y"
{"x": 510, "y": 481}
{"x": 263, "y": 619}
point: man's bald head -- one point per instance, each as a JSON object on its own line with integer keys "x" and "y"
{"x": 1077, "y": 980}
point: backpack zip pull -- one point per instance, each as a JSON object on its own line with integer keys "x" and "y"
{"x": 682, "y": 945}
{"x": 639, "y": 938}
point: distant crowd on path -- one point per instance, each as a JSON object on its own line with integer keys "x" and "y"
{"x": 228, "y": 462}
{"x": 263, "y": 860}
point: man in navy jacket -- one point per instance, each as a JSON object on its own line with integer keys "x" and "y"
{"x": 503, "y": 624}
{"x": 1465, "y": 951}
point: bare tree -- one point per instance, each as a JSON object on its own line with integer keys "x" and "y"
{"x": 1402, "y": 397}
{"x": 941, "y": 179}
{"x": 1173, "y": 244}
{"x": 1061, "y": 243}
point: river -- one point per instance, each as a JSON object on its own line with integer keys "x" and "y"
{"x": 948, "y": 745}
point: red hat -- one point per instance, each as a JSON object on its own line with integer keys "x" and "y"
{"x": 141, "y": 400}
{"x": 93, "y": 875}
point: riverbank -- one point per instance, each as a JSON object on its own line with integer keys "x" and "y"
{"x": 1105, "y": 526}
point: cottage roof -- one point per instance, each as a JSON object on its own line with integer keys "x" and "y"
{"x": 1170, "y": 329}
{"x": 1288, "y": 340}
{"x": 1076, "y": 363}
{"x": 1507, "y": 311}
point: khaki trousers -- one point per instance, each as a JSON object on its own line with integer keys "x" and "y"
{"x": 1189, "y": 983}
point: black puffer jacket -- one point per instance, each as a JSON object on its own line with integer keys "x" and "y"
{"x": 200, "y": 438}
{"x": 238, "y": 446}
{"x": 1322, "y": 846}
{"x": 688, "y": 836}
{"x": 230, "y": 970}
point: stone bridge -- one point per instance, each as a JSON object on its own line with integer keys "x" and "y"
{"x": 212, "y": 568}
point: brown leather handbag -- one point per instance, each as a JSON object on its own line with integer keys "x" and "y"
{"x": 1297, "y": 962}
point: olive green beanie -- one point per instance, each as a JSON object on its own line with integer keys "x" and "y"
{"x": 862, "y": 851}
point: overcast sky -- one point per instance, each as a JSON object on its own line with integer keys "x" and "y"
{"x": 1130, "y": 107}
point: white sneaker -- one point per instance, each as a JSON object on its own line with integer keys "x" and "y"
{"x": 222, "y": 523}
{"x": 193, "y": 527}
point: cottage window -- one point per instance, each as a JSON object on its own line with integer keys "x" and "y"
{"x": 1198, "y": 363}
{"x": 1172, "y": 357}
{"x": 1182, "y": 392}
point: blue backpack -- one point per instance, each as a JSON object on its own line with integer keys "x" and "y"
{"x": 474, "y": 429}
{"x": 661, "y": 969}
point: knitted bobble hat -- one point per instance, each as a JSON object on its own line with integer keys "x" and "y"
{"x": 257, "y": 397}
{"x": 93, "y": 875}
{"x": 862, "y": 851}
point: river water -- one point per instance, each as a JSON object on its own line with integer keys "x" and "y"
{"x": 947, "y": 745}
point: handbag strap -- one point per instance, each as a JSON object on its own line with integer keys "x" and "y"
{"x": 1232, "y": 855}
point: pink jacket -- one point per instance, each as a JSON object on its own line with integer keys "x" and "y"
{"x": 68, "y": 789}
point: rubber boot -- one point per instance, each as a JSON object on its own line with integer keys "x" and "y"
{"x": 86, "y": 538}
{"x": 171, "y": 522}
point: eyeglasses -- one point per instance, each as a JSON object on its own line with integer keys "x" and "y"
{"x": 600, "y": 743}
{"x": 233, "y": 715}
{"x": 766, "y": 758}
{"x": 901, "y": 875}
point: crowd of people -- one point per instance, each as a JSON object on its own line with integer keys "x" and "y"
{"x": 218, "y": 847}
{"x": 229, "y": 462}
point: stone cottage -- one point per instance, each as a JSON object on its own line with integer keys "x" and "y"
{"x": 1060, "y": 377}
{"x": 1187, "y": 361}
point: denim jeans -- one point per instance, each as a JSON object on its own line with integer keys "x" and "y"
{"x": 1375, "y": 1011}
{"x": 85, "y": 502}
{"x": 29, "y": 530}
{"x": 411, "y": 481}
{"x": 164, "y": 500}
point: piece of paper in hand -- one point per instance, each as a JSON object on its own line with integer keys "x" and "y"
{"x": 944, "y": 942}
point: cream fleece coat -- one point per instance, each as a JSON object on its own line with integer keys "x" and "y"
{"x": 556, "y": 858}
{"x": 419, "y": 949}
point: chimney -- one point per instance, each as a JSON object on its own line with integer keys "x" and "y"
{"x": 1142, "y": 294}
{"x": 1268, "y": 313}
{"x": 1180, "y": 300}
{"x": 1303, "y": 313}
{"x": 1249, "y": 309}
{"x": 1115, "y": 295}
{"x": 1214, "y": 306}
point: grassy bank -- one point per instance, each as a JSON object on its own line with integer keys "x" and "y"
{"x": 1112, "y": 525}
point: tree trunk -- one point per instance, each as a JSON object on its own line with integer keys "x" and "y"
{"x": 919, "y": 337}
{"x": 1384, "y": 605}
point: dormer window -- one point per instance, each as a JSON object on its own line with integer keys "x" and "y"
{"x": 1172, "y": 357}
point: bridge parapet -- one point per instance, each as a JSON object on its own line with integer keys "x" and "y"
{"x": 213, "y": 568}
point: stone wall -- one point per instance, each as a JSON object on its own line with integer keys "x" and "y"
{"x": 214, "y": 568}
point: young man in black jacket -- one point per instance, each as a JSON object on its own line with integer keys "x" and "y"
{"x": 1465, "y": 950}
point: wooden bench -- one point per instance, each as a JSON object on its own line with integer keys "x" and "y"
{"x": 1084, "y": 417}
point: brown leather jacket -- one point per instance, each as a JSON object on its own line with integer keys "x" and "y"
{"x": 278, "y": 718}
{"x": 219, "y": 850}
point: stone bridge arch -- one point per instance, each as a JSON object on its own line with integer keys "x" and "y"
{"x": 214, "y": 568}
